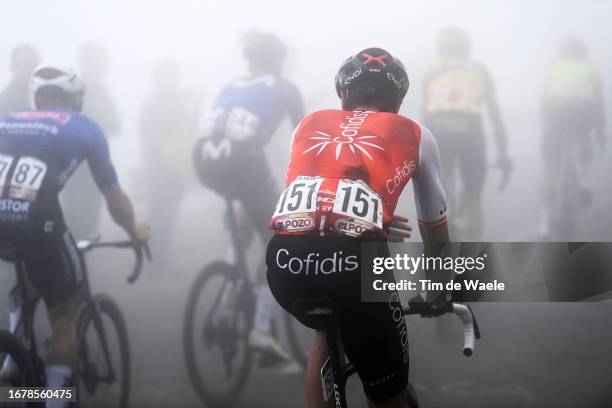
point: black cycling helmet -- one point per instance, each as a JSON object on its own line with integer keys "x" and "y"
{"x": 372, "y": 74}
{"x": 454, "y": 42}
{"x": 263, "y": 51}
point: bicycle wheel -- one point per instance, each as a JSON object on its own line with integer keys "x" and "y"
{"x": 299, "y": 338}
{"x": 102, "y": 372}
{"x": 218, "y": 318}
{"x": 21, "y": 372}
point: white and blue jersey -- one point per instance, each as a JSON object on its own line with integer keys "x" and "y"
{"x": 247, "y": 112}
{"x": 229, "y": 157}
{"x": 39, "y": 151}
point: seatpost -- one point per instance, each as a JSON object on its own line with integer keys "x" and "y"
{"x": 235, "y": 235}
{"x": 336, "y": 357}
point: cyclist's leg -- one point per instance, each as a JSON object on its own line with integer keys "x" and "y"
{"x": 55, "y": 269}
{"x": 314, "y": 395}
{"x": 473, "y": 168}
{"x": 8, "y": 255}
{"x": 63, "y": 345}
{"x": 552, "y": 145}
{"x": 316, "y": 359}
{"x": 375, "y": 340}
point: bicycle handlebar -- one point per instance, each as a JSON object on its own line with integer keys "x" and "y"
{"x": 471, "y": 331}
{"x": 137, "y": 246}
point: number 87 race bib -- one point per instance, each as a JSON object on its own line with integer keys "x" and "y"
{"x": 26, "y": 178}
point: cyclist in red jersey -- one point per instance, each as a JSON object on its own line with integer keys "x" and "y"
{"x": 346, "y": 172}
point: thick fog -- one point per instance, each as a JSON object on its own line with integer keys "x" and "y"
{"x": 514, "y": 40}
{"x": 533, "y": 355}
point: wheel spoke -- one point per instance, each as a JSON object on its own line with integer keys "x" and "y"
{"x": 217, "y": 353}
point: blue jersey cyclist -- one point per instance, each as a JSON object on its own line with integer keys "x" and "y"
{"x": 230, "y": 158}
{"x": 39, "y": 151}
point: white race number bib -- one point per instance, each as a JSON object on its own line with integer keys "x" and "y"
{"x": 299, "y": 197}
{"x": 27, "y": 178}
{"x": 354, "y": 198}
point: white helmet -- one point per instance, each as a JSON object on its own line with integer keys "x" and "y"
{"x": 52, "y": 75}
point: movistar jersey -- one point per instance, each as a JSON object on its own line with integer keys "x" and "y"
{"x": 39, "y": 150}
{"x": 248, "y": 111}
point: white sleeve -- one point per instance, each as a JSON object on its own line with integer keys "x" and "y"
{"x": 428, "y": 191}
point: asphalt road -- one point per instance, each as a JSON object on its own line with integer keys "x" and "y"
{"x": 531, "y": 355}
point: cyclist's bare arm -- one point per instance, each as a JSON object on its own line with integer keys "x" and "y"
{"x": 105, "y": 176}
{"x": 499, "y": 129}
{"x": 122, "y": 212}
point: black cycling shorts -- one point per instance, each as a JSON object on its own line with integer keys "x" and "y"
{"x": 52, "y": 263}
{"x": 246, "y": 178}
{"x": 374, "y": 335}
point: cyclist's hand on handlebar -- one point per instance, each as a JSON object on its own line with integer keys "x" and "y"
{"x": 432, "y": 308}
{"x": 142, "y": 231}
{"x": 399, "y": 229}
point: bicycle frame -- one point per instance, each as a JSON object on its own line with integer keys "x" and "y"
{"x": 28, "y": 301}
{"x": 86, "y": 295}
{"x": 335, "y": 372}
{"x": 239, "y": 258}
{"x": 235, "y": 237}
{"x": 88, "y": 299}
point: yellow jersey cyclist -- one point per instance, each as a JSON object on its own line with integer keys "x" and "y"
{"x": 456, "y": 90}
{"x": 39, "y": 151}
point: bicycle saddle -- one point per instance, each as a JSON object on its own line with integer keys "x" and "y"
{"x": 317, "y": 314}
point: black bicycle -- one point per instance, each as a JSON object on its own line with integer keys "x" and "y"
{"x": 102, "y": 371}
{"x": 219, "y": 316}
{"x": 322, "y": 314}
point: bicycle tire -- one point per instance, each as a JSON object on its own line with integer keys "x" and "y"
{"x": 13, "y": 346}
{"x": 207, "y": 394}
{"x": 105, "y": 306}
